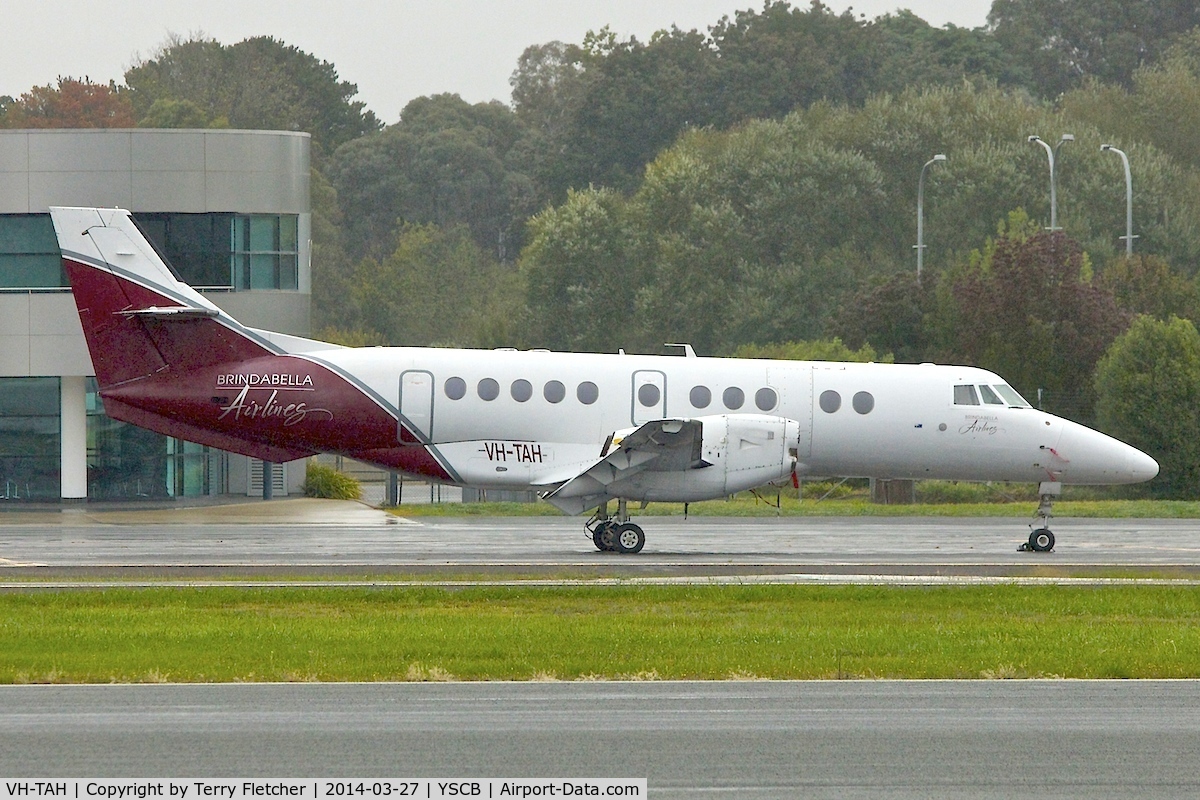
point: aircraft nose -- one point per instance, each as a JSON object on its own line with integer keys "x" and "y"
{"x": 1096, "y": 458}
{"x": 1141, "y": 466}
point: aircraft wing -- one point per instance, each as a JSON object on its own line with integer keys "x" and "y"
{"x": 660, "y": 446}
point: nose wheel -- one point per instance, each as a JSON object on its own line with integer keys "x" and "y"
{"x": 1041, "y": 539}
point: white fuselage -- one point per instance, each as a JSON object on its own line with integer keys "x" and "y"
{"x": 513, "y": 419}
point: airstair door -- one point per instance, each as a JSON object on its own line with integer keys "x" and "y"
{"x": 416, "y": 403}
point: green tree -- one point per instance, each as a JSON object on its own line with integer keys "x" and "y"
{"x": 1060, "y": 43}
{"x": 169, "y": 113}
{"x": 1148, "y": 285}
{"x": 580, "y": 273}
{"x": 888, "y": 313}
{"x": 446, "y": 162}
{"x": 1027, "y": 309}
{"x": 815, "y": 350}
{"x": 1148, "y": 394}
{"x": 436, "y": 288}
{"x": 260, "y": 82}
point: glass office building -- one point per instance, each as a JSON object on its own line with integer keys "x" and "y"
{"x": 229, "y": 210}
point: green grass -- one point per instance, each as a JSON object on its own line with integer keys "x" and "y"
{"x": 748, "y": 505}
{"x": 632, "y": 632}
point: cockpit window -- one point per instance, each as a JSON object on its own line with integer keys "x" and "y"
{"x": 1010, "y": 396}
{"x": 989, "y": 396}
{"x": 965, "y": 396}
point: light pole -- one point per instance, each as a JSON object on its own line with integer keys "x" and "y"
{"x": 1051, "y": 152}
{"x": 1128, "y": 237}
{"x": 921, "y": 213}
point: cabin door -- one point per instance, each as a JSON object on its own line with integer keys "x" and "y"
{"x": 416, "y": 403}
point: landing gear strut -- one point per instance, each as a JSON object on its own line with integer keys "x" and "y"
{"x": 1041, "y": 539}
{"x": 615, "y": 535}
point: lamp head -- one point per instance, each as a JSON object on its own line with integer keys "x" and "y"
{"x": 1106, "y": 147}
{"x": 1034, "y": 138}
{"x": 1067, "y": 137}
{"x": 940, "y": 157}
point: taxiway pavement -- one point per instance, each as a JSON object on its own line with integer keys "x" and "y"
{"x": 314, "y": 536}
{"x": 848, "y": 739}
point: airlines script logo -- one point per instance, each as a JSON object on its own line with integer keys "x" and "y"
{"x": 245, "y": 407}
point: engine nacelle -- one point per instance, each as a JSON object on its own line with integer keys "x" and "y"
{"x": 750, "y": 449}
{"x": 735, "y": 453}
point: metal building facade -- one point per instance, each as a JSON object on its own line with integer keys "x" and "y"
{"x": 54, "y": 438}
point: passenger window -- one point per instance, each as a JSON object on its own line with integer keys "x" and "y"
{"x": 863, "y": 402}
{"x": 990, "y": 397}
{"x": 488, "y": 389}
{"x": 648, "y": 395}
{"x": 765, "y": 399}
{"x": 456, "y": 388}
{"x": 700, "y": 396}
{"x": 733, "y": 398}
{"x": 965, "y": 396}
{"x": 554, "y": 391}
{"x": 830, "y": 401}
{"x": 521, "y": 390}
{"x": 587, "y": 392}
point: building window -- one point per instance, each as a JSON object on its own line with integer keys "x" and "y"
{"x": 30, "y": 439}
{"x": 29, "y": 254}
{"x": 131, "y": 463}
{"x": 195, "y": 245}
{"x": 265, "y": 251}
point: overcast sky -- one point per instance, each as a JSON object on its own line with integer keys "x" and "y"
{"x": 394, "y": 50}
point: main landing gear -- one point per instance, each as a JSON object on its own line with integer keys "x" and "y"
{"x": 1041, "y": 539}
{"x": 615, "y": 535}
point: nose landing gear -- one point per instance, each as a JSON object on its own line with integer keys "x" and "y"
{"x": 617, "y": 535}
{"x": 1041, "y": 539}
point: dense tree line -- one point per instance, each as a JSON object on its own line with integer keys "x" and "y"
{"x": 752, "y": 186}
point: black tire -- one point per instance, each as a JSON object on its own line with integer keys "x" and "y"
{"x": 1041, "y": 540}
{"x": 629, "y": 538}
{"x": 603, "y": 536}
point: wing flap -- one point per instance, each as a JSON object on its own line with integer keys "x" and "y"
{"x": 662, "y": 445}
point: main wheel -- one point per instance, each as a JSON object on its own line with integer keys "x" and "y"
{"x": 1041, "y": 540}
{"x": 629, "y": 538}
{"x": 603, "y": 536}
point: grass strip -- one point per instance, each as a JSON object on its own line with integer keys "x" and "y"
{"x": 623, "y": 632}
{"x": 746, "y": 505}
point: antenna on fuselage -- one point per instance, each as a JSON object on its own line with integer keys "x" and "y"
{"x": 688, "y": 352}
